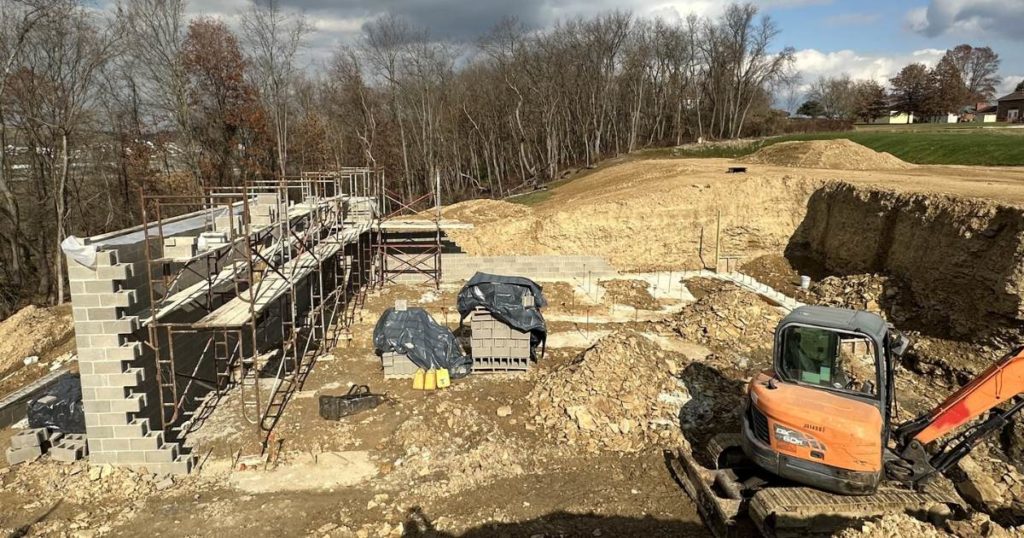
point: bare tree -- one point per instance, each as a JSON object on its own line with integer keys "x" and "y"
{"x": 274, "y": 38}
{"x": 54, "y": 99}
{"x": 155, "y": 37}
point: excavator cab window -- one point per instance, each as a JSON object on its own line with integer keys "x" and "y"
{"x": 829, "y": 359}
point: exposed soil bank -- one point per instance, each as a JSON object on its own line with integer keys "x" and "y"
{"x": 960, "y": 260}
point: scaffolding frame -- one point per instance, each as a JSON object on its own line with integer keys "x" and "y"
{"x": 409, "y": 250}
{"x": 273, "y": 297}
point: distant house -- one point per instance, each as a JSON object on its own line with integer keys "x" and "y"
{"x": 979, "y": 113}
{"x": 1011, "y": 107}
{"x": 944, "y": 118}
{"x": 893, "y": 118}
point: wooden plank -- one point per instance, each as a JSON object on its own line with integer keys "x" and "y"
{"x": 198, "y": 290}
{"x": 236, "y": 312}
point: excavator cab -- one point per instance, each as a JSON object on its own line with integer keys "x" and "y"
{"x": 820, "y": 417}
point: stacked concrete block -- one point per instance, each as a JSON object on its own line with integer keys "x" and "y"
{"x": 70, "y": 448}
{"x": 180, "y": 247}
{"x": 398, "y": 366}
{"x": 114, "y": 385}
{"x": 27, "y": 445}
{"x": 458, "y": 267}
{"x": 228, "y": 224}
{"x": 211, "y": 240}
{"x": 497, "y": 347}
{"x": 262, "y": 215}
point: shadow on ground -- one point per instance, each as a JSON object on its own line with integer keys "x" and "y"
{"x": 561, "y": 524}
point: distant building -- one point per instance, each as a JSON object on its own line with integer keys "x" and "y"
{"x": 944, "y": 118}
{"x": 1011, "y": 107}
{"x": 893, "y": 118}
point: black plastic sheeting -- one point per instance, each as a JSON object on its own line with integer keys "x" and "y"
{"x": 60, "y": 408}
{"x": 503, "y": 296}
{"x": 415, "y": 334}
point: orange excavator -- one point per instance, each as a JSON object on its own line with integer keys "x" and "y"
{"x": 818, "y": 449}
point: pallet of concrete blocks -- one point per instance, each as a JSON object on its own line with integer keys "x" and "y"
{"x": 505, "y": 319}
{"x": 497, "y": 347}
{"x": 27, "y": 445}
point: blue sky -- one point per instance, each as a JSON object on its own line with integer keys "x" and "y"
{"x": 864, "y": 38}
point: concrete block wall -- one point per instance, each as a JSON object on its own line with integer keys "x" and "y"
{"x": 458, "y": 267}
{"x": 116, "y": 390}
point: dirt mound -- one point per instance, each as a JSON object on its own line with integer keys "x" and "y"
{"x": 33, "y": 331}
{"x": 840, "y": 154}
{"x": 730, "y": 321}
{"x": 642, "y": 216}
{"x": 483, "y": 211}
{"x": 619, "y": 395}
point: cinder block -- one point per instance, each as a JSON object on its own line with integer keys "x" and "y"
{"x": 127, "y": 352}
{"x": 106, "y": 258}
{"x": 126, "y": 325}
{"x": 69, "y": 452}
{"x": 121, "y": 271}
{"x": 107, "y": 367}
{"x": 153, "y": 441}
{"x": 21, "y": 455}
{"x": 100, "y": 286}
{"x": 95, "y": 406}
{"x": 132, "y": 404}
{"x": 166, "y": 454}
{"x": 29, "y": 438}
{"x": 105, "y": 340}
{"x": 122, "y": 298}
{"x": 131, "y": 377}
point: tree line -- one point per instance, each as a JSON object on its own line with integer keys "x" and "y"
{"x": 96, "y": 105}
{"x": 963, "y": 77}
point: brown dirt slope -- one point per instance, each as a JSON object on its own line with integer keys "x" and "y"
{"x": 840, "y": 154}
{"x": 32, "y": 331}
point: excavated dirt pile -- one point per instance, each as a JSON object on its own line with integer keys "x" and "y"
{"x": 840, "y": 154}
{"x": 619, "y": 395}
{"x": 32, "y": 331}
{"x": 735, "y": 324}
{"x": 960, "y": 261}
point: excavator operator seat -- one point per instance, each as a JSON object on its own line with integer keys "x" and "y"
{"x": 828, "y": 358}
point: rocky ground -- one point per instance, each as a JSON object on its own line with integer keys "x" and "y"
{"x": 574, "y": 447}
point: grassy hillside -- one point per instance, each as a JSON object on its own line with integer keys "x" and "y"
{"x": 923, "y": 144}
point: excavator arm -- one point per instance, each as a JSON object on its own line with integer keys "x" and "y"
{"x": 1000, "y": 383}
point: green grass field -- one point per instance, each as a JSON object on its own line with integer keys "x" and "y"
{"x": 919, "y": 144}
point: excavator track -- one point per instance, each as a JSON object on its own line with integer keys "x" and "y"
{"x": 782, "y": 509}
{"x": 800, "y": 511}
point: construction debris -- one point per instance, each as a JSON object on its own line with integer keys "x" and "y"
{"x": 608, "y": 398}
{"x": 727, "y": 319}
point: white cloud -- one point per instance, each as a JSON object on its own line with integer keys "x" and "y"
{"x": 812, "y": 63}
{"x": 1008, "y": 85}
{"x": 969, "y": 18}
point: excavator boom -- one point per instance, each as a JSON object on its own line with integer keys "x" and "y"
{"x": 1001, "y": 382}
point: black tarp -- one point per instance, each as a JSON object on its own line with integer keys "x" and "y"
{"x": 60, "y": 408}
{"x": 415, "y": 334}
{"x": 503, "y": 297}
